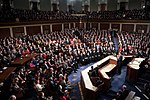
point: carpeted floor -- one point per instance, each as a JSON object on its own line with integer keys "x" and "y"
{"x": 74, "y": 79}
{"x": 116, "y": 83}
{"x": 118, "y": 80}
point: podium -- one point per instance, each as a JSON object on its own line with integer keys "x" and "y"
{"x": 89, "y": 91}
{"x": 133, "y": 68}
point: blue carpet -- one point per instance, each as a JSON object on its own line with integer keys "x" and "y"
{"x": 116, "y": 44}
{"x": 118, "y": 80}
{"x": 74, "y": 78}
{"x": 116, "y": 83}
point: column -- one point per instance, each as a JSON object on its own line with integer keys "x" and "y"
{"x": 84, "y": 25}
{"x": 25, "y": 30}
{"x": 99, "y": 7}
{"x": 110, "y": 26}
{"x": 51, "y": 30}
{"x": 11, "y": 32}
{"x": 41, "y": 29}
{"x": 99, "y": 26}
{"x": 90, "y": 25}
{"x": 69, "y": 26}
{"x": 62, "y": 27}
{"x": 74, "y": 25}
{"x": 120, "y": 27}
{"x": 134, "y": 28}
{"x": 148, "y": 26}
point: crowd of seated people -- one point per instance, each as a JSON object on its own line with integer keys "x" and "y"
{"x": 99, "y": 39}
{"x": 134, "y": 43}
{"x": 30, "y": 15}
{"x": 60, "y": 53}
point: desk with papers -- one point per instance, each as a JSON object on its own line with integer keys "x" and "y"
{"x": 133, "y": 68}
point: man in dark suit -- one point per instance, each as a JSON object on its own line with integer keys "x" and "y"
{"x": 92, "y": 72}
{"x": 119, "y": 63}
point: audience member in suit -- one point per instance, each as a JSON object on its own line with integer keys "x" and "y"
{"x": 93, "y": 72}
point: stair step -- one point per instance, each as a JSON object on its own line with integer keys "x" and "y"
{"x": 144, "y": 80}
{"x": 145, "y": 77}
{"x": 140, "y": 83}
{"x": 141, "y": 87}
{"x": 148, "y": 71}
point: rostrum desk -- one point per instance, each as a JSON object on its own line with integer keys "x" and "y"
{"x": 133, "y": 68}
{"x": 90, "y": 91}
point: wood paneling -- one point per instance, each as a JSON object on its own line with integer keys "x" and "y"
{"x": 123, "y": 5}
{"x": 141, "y": 28}
{"x": 70, "y": 7}
{"x": 127, "y": 27}
{"x": 66, "y": 26}
{"x": 46, "y": 29}
{"x": 86, "y": 7}
{"x": 33, "y": 30}
{"x": 4, "y": 32}
{"x": 95, "y": 25}
{"x": 18, "y": 31}
{"x": 71, "y": 24}
{"x": 81, "y": 25}
{"x": 115, "y": 26}
{"x": 87, "y": 26}
{"x": 104, "y": 26}
{"x": 77, "y": 25}
{"x": 103, "y": 7}
{"x": 57, "y": 27}
{"x": 54, "y": 5}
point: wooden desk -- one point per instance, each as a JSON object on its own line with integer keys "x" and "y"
{"x": 23, "y": 60}
{"x": 105, "y": 69}
{"x": 133, "y": 68}
{"x": 103, "y": 73}
{"x": 5, "y": 74}
{"x": 88, "y": 89}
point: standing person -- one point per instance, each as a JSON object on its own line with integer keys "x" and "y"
{"x": 119, "y": 63}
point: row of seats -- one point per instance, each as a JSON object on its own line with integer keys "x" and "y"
{"x": 28, "y": 15}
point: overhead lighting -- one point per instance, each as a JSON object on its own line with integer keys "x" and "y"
{"x": 143, "y": 6}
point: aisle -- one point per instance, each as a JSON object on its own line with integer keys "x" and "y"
{"x": 115, "y": 43}
{"x": 118, "y": 80}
